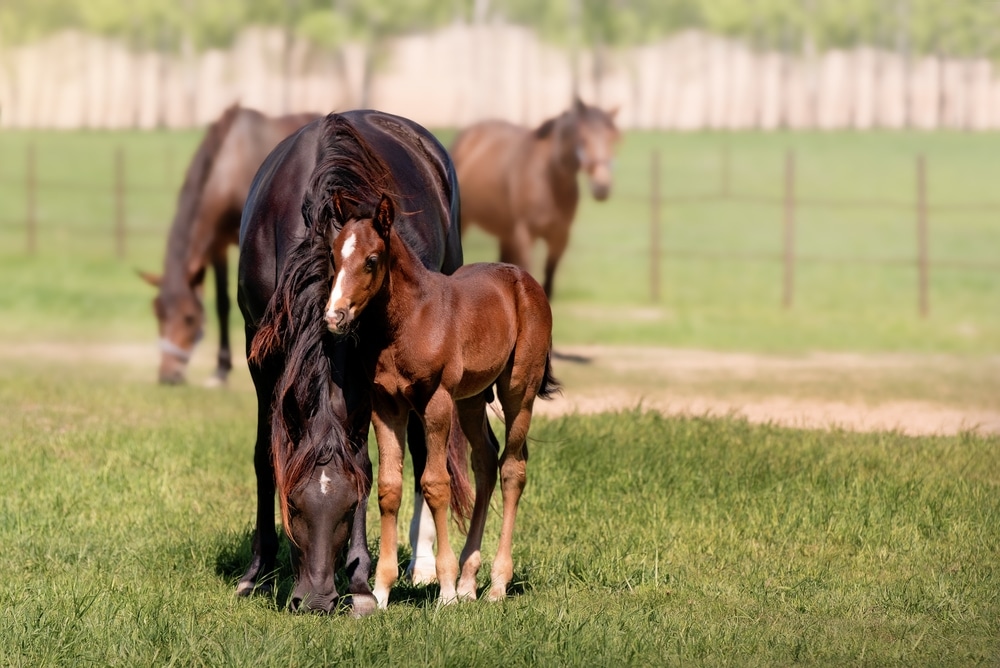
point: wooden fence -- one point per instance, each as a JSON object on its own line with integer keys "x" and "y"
{"x": 460, "y": 74}
{"x": 787, "y": 207}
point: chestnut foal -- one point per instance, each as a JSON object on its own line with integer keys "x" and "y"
{"x": 430, "y": 341}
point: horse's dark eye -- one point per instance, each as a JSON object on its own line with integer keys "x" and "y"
{"x": 370, "y": 263}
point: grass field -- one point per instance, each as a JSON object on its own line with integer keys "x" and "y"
{"x": 642, "y": 541}
{"x": 846, "y": 298}
{"x": 125, "y": 508}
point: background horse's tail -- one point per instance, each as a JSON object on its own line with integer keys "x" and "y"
{"x": 550, "y": 386}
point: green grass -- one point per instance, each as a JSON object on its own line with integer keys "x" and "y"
{"x": 642, "y": 540}
{"x": 845, "y": 298}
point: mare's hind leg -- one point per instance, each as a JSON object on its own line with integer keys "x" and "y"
{"x": 485, "y": 449}
{"x": 220, "y": 270}
{"x": 421, "y": 568}
{"x": 265, "y": 538}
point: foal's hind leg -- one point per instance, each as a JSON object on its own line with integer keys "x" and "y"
{"x": 436, "y": 483}
{"x": 476, "y": 426}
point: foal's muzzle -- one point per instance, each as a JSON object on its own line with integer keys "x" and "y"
{"x": 338, "y": 321}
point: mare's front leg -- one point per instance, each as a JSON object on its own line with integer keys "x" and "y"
{"x": 421, "y": 569}
{"x": 220, "y": 270}
{"x": 359, "y": 560}
{"x": 389, "y": 421}
{"x": 436, "y": 483}
{"x": 265, "y": 538}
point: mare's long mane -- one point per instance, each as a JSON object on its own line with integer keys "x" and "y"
{"x": 307, "y": 427}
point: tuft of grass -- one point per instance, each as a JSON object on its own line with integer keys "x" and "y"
{"x": 642, "y": 540}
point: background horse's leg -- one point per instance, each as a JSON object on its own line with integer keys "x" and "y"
{"x": 220, "y": 269}
{"x": 421, "y": 569}
{"x": 515, "y": 247}
{"x": 265, "y": 538}
{"x": 557, "y": 241}
{"x": 485, "y": 450}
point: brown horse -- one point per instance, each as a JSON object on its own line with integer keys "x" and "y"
{"x": 206, "y": 223}
{"x": 429, "y": 343}
{"x": 521, "y": 185}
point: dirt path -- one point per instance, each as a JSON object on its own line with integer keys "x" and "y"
{"x": 915, "y": 394}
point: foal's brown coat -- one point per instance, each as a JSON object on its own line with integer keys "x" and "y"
{"x": 429, "y": 340}
{"x": 520, "y": 184}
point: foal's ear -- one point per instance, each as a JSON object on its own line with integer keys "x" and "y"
{"x": 385, "y": 212}
{"x": 338, "y": 207}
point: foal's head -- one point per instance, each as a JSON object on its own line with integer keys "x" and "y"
{"x": 360, "y": 254}
{"x": 596, "y": 140}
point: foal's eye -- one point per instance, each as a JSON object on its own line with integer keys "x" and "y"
{"x": 370, "y": 263}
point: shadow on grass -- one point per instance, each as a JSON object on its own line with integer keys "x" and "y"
{"x": 569, "y": 357}
{"x": 234, "y": 557}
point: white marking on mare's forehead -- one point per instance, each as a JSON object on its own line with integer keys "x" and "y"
{"x": 324, "y": 482}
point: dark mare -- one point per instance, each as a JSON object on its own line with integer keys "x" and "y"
{"x": 429, "y": 343}
{"x": 313, "y": 445}
{"x": 520, "y": 184}
{"x": 206, "y": 223}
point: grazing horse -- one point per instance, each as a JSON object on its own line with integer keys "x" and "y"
{"x": 206, "y": 223}
{"x": 521, "y": 185}
{"x": 313, "y": 445}
{"x": 431, "y": 342}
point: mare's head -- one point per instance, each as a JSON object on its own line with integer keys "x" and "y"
{"x": 180, "y": 315}
{"x": 360, "y": 254}
{"x": 596, "y": 140}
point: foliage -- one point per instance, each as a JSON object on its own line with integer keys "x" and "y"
{"x": 961, "y": 27}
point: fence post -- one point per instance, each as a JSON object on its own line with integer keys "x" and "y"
{"x": 724, "y": 169}
{"x": 119, "y": 203}
{"x": 789, "y": 281}
{"x": 922, "y": 261}
{"x": 654, "y": 228}
{"x": 31, "y": 220}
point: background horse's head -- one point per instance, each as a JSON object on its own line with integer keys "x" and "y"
{"x": 596, "y": 140}
{"x": 180, "y": 315}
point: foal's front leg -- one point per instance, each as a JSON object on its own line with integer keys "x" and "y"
{"x": 436, "y": 483}
{"x": 390, "y": 430}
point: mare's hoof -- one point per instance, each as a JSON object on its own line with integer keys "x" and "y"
{"x": 363, "y": 605}
{"x": 422, "y": 571}
{"x": 248, "y": 588}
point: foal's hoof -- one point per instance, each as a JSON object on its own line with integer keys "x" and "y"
{"x": 363, "y": 605}
{"x": 422, "y": 571}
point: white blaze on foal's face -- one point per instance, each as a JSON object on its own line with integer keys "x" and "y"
{"x": 337, "y": 294}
